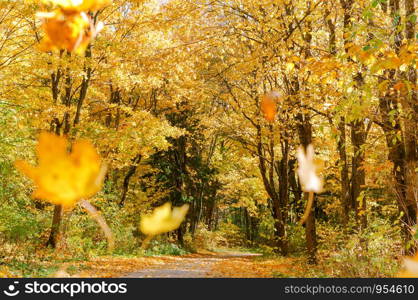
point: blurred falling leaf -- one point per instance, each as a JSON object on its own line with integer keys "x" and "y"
{"x": 269, "y": 106}
{"x": 307, "y": 170}
{"x": 69, "y": 27}
{"x": 66, "y": 32}
{"x": 79, "y": 5}
{"x": 410, "y": 268}
{"x": 94, "y": 213}
{"x": 62, "y": 177}
{"x": 163, "y": 219}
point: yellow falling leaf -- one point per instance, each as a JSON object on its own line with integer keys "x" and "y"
{"x": 63, "y": 177}
{"x": 163, "y": 219}
{"x": 65, "y": 31}
{"x": 310, "y": 182}
{"x": 69, "y": 27}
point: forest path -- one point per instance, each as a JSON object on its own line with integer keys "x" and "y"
{"x": 226, "y": 263}
{"x": 192, "y": 266}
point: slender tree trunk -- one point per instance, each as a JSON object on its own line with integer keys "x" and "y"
{"x": 392, "y": 129}
{"x": 56, "y": 222}
{"x": 128, "y": 176}
{"x": 345, "y": 184}
{"x": 180, "y": 234}
{"x": 84, "y": 87}
{"x": 267, "y": 172}
{"x": 284, "y": 188}
{"x": 295, "y": 188}
{"x": 305, "y": 136}
{"x": 210, "y": 209}
{"x": 358, "y": 135}
{"x": 410, "y": 106}
{"x": 342, "y": 139}
{"x": 402, "y": 142}
{"x": 248, "y": 226}
{"x": 55, "y": 80}
{"x": 358, "y": 176}
{"x": 56, "y": 219}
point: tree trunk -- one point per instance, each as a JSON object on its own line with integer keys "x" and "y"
{"x": 56, "y": 222}
{"x": 180, "y": 235}
{"x": 345, "y": 184}
{"x": 295, "y": 188}
{"x": 410, "y": 107}
{"x": 358, "y": 175}
{"x": 310, "y": 231}
{"x": 402, "y": 142}
{"x": 284, "y": 189}
{"x": 84, "y": 87}
{"x": 128, "y": 176}
{"x": 342, "y": 140}
{"x": 305, "y": 136}
{"x": 210, "y": 209}
{"x": 267, "y": 172}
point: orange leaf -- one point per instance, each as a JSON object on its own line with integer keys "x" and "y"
{"x": 269, "y": 106}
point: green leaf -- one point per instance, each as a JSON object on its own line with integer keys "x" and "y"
{"x": 396, "y": 20}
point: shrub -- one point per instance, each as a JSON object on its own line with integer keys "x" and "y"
{"x": 163, "y": 247}
{"x": 228, "y": 235}
{"x": 372, "y": 253}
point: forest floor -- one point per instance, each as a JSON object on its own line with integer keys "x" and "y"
{"x": 223, "y": 264}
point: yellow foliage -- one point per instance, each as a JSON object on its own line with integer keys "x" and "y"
{"x": 62, "y": 177}
{"x": 163, "y": 219}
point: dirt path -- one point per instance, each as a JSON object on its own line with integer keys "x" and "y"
{"x": 223, "y": 264}
{"x": 193, "y": 266}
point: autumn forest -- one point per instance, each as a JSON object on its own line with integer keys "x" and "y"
{"x": 210, "y": 138}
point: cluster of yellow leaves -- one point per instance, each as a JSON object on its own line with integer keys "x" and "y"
{"x": 69, "y": 27}
{"x": 325, "y": 66}
{"x": 364, "y": 56}
{"x": 62, "y": 177}
{"x": 163, "y": 219}
{"x": 381, "y": 59}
